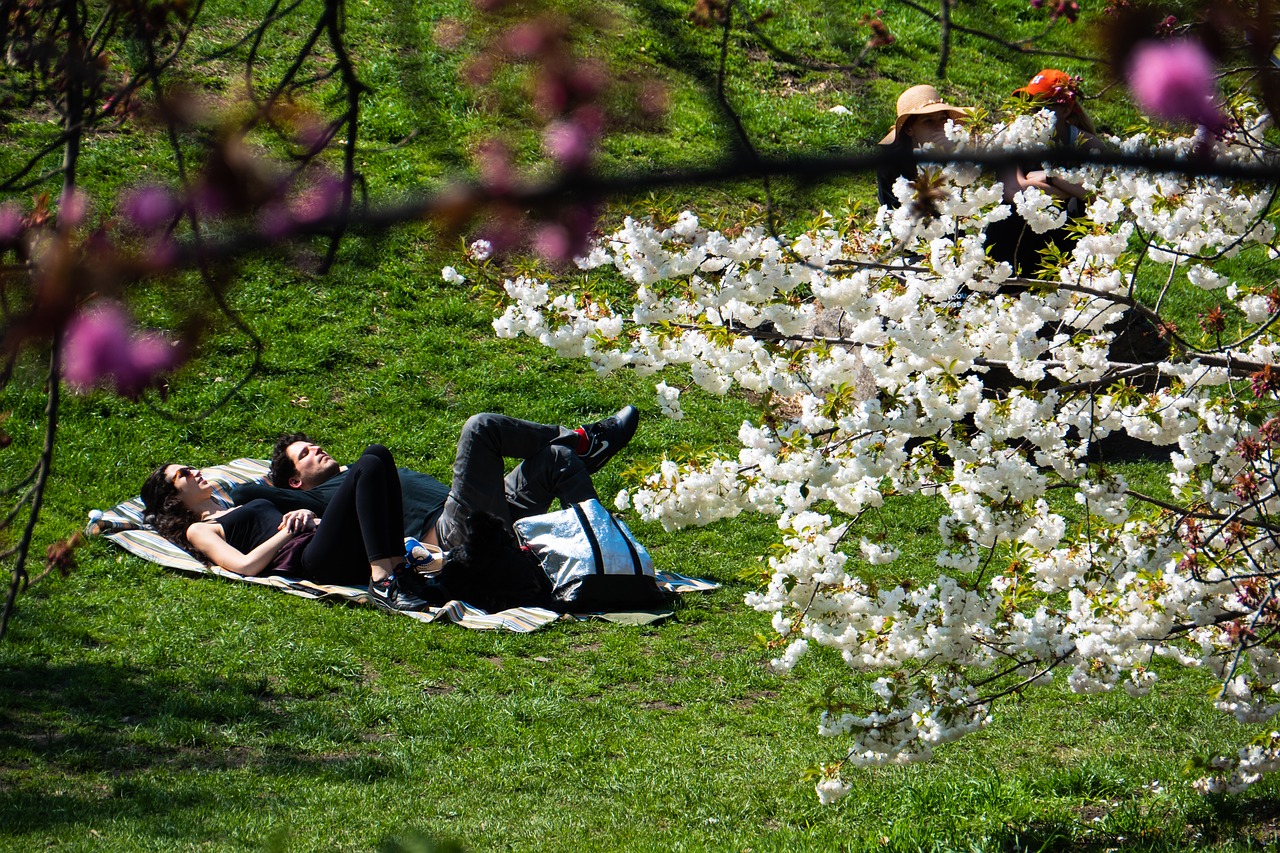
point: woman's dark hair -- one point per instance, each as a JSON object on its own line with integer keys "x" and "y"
{"x": 164, "y": 510}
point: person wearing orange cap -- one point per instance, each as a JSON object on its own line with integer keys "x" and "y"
{"x": 922, "y": 118}
{"x": 1012, "y": 240}
{"x": 1059, "y": 92}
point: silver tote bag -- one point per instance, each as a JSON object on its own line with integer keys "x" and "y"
{"x": 580, "y": 541}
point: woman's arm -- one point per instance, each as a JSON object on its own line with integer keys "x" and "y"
{"x": 1051, "y": 184}
{"x": 1054, "y": 185}
{"x": 209, "y": 538}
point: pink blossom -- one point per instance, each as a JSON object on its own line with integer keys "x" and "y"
{"x": 529, "y": 39}
{"x": 275, "y": 220}
{"x": 591, "y": 117}
{"x": 318, "y": 201}
{"x": 1265, "y": 380}
{"x": 550, "y": 93}
{"x": 10, "y": 223}
{"x": 552, "y": 242}
{"x": 1174, "y": 80}
{"x": 559, "y": 242}
{"x": 569, "y": 143}
{"x": 588, "y": 78}
{"x": 97, "y": 344}
{"x": 149, "y": 207}
{"x": 152, "y": 353}
{"x": 496, "y": 172}
{"x": 73, "y": 208}
{"x": 102, "y": 345}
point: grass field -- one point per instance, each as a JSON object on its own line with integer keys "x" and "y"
{"x": 143, "y": 710}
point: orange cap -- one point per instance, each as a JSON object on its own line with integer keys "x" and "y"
{"x": 1050, "y": 84}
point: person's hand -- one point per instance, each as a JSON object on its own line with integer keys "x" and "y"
{"x": 1038, "y": 179}
{"x": 1053, "y": 185}
{"x": 298, "y": 521}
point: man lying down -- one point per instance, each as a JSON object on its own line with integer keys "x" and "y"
{"x": 368, "y": 506}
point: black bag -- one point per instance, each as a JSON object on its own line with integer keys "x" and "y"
{"x": 490, "y": 570}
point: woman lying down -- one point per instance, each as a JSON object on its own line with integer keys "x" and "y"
{"x": 361, "y": 539}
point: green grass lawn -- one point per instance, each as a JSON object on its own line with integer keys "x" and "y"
{"x": 145, "y": 710}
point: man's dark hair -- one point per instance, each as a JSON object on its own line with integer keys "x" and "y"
{"x": 282, "y": 467}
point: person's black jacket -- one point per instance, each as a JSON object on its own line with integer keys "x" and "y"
{"x": 423, "y": 497}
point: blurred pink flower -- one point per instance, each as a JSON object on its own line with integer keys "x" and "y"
{"x": 322, "y": 198}
{"x": 73, "y": 207}
{"x": 653, "y": 100}
{"x": 550, "y": 93}
{"x": 150, "y": 353}
{"x": 10, "y": 222}
{"x": 588, "y": 78}
{"x": 275, "y": 220}
{"x": 312, "y": 133}
{"x": 149, "y": 207}
{"x": 1174, "y": 80}
{"x": 592, "y": 118}
{"x": 102, "y": 346}
{"x": 552, "y": 242}
{"x": 559, "y": 242}
{"x": 96, "y": 345}
{"x": 569, "y": 143}
{"x": 496, "y": 172}
{"x": 529, "y": 39}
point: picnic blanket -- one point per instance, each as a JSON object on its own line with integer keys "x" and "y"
{"x": 123, "y": 525}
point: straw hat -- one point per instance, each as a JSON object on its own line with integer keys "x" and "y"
{"x": 918, "y": 101}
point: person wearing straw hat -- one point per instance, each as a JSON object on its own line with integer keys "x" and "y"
{"x": 922, "y": 118}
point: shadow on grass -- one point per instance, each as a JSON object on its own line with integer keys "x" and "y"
{"x": 1243, "y": 822}
{"x": 89, "y": 742}
{"x": 1256, "y": 818}
{"x": 1069, "y": 837}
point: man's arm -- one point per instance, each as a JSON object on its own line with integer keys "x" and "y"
{"x": 285, "y": 500}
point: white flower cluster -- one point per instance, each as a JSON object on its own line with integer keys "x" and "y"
{"x": 934, "y": 374}
{"x": 1229, "y": 774}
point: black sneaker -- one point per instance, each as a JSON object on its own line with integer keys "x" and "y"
{"x": 390, "y": 594}
{"x": 607, "y": 437}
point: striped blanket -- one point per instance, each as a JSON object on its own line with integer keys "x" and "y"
{"x": 123, "y": 525}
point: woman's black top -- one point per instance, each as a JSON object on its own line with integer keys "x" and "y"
{"x": 246, "y": 527}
